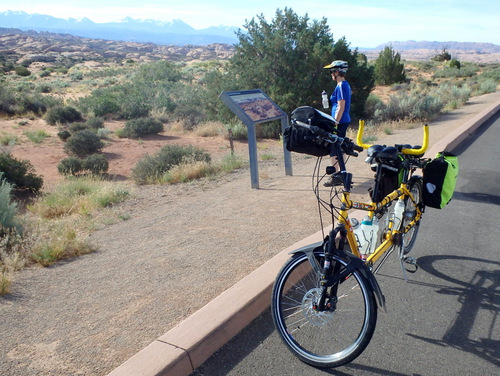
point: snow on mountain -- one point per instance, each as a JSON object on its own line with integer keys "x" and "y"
{"x": 128, "y": 29}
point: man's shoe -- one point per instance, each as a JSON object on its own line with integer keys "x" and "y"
{"x": 333, "y": 181}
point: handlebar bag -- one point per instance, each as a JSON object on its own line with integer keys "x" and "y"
{"x": 302, "y": 140}
{"x": 440, "y": 178}
{"x": 311, "y": 116}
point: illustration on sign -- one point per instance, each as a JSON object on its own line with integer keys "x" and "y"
{"x": 257, "y": 106}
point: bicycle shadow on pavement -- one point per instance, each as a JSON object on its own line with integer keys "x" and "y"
{"x": 226, "y": 359}
{"x": 479, "y": 298}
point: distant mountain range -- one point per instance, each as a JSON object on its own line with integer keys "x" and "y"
{"x": 485, "y": 48}
{"x": 178, "y": 33}
{"x": 175, "y": 32}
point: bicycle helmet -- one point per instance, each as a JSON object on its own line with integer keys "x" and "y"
{"x": 338, "y": 66}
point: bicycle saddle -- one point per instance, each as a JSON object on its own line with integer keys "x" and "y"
{"x": 389, "y": 156}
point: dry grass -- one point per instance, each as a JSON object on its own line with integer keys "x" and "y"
{"x": 210, "y": 129}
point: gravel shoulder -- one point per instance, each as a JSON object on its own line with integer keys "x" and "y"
{"x": 181, "y": 246}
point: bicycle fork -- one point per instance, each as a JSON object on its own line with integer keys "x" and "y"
{"x": 328, "y": 284}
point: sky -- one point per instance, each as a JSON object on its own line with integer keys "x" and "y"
{"x": 364, "y": 23}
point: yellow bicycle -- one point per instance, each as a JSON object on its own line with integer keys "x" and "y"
{"x": 325, "y": 298}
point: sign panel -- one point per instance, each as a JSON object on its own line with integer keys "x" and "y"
{"x": 257, "y": 105}
{"x": 254, "y": 107}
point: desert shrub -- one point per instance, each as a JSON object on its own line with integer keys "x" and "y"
{"x": 83, "y": 143}
{"x": 94, "y": 123}
{"x": 103, "y": 132}
{"x": 22, "y": 71}
{"x": 372, "y": 103}
{"x": 453, "y": 96}
{"x": 7, "y": 99}
{"x": 136, "y": 128}
{"x": 7, "y": 139}
{"x": 487, "y": 86}
{"x": 96, "y": 164}
{"x": 62, "y": 114}
{"x": 70, "y": 166}
{"x": 8, "y": 209}
{"x": 151, "y": 169}
{"x": 64, "y": 134}
{"x": 454, "y": 63}
{"x": 100, "y": 102}
{"x": 239, "y": 131}
{"x": 426, "y": 108}
{"x": 453, "y": 72}
{"x": 188, "y": 171}
{"x": 19, "y": 173}
{"x": 77, "y": 127}
{"x": 409, "y": 106}
{"x": 191, "y": 116}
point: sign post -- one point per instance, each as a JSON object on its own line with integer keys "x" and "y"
{"x": 254, "y": 107}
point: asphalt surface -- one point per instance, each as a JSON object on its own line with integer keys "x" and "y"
{"x": 444, "y": 321}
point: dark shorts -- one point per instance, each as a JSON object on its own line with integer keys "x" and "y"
{"x": 341, "y": 131}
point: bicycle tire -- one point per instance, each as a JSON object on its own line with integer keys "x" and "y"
{"x": 408, "y": 239}
{"x": 322, "y": 339}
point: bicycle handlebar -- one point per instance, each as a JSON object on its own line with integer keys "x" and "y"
{"x": 348, "y": 146}
{"x": 425, "y": 145}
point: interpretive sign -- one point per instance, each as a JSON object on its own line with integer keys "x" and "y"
{"x": 254, "y": 107}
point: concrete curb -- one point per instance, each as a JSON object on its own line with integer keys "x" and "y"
{"x": 189, "y": 344}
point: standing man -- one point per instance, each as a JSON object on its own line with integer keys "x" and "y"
{"x": 341, "y": 105}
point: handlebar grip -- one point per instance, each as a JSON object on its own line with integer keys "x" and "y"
{"x": 357, "y": 148}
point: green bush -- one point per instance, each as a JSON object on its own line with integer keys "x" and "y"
{"x": 150, "y": 169}
{"x": 96, "y": 164}
{"x": 100, "y": 102}
{"x": 83, "y": 143}
{"x": 19, "y": 173}
{"x": 372, "y": 103}
{"x": 64, "y": 134}
{"x": 22, "y": 71}
{"x": 94, "y": 123}
{"x": 454, "y": 63}
{"x": 70, "y": 166}
{"x": 487, "y": 86}
{"x": 409, "y": 106}
{"x": 77, "y": 127}
{"x": 8, "y": 209}
{"x": 136, "y": 128}
{"x": 60, "y": 114}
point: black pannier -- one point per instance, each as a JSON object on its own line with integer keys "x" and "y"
{"x": 387, "y": 162}
{"x": 300, "y": 139}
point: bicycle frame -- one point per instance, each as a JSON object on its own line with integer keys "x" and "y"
{"x": 401, "y": 192}
{"x": 371, "y": 208}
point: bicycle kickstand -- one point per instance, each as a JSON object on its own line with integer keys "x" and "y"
{"x": 407, "y": 260}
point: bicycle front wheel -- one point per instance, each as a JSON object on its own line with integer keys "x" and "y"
{"x": 410, "y": 210}
{"x": 328, "y": 338}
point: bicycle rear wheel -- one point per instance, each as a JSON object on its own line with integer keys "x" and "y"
{"x": 415, "y": 187}
{"x": 329, "y": 338}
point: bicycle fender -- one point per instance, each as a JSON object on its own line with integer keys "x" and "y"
{"x": 309, "y": 251}
{"x": 366, "y": 272}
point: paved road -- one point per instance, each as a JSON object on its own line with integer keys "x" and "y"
{"x": 445, "y": 320}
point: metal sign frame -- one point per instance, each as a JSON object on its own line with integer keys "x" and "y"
{"x": 254, "y": 107}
